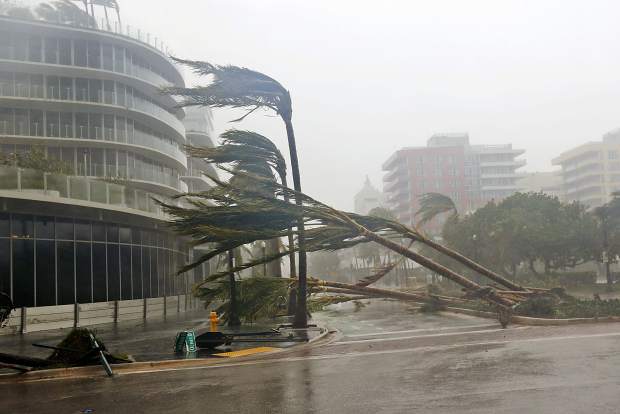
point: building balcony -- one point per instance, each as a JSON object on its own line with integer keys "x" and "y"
{"x": 140, "y": 110}
{"x": 132, "y": 38}
{"x": 511, "y": 163}
{"x": 95, "y": 137}
{"x": 86, "y": 191}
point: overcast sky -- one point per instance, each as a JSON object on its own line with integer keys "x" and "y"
{"x": 369, "y": 77}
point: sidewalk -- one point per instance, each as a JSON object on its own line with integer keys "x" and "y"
{"x": 152, "y": 340}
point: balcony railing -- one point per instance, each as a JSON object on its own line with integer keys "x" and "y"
{"x": 54, "y": 185}
{"x": 53, "y": 93}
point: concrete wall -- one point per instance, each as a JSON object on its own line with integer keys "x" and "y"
{"x": 66, "y": 316}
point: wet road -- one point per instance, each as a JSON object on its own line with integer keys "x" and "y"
{"x": 386, "y": 360}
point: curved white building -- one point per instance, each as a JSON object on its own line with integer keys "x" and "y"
{"x": 90, "y": 99}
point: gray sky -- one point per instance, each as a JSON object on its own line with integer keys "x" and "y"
{"x": 370, "y": 77}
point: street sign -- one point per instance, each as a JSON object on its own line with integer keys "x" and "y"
{"x": 186, "y": 341}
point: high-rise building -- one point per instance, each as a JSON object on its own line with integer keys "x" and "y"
{"x": 591, "y": 172}
{"x": 548, "y": 182}
{"x": 368, "y": 198}
{"x": 470, "y": 175}
{"x": 88, "y": 101}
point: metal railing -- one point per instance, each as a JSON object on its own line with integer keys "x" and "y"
{"x": 79, "y": 188}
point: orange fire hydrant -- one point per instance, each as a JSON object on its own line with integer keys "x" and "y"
{"x": 213, "y": 319}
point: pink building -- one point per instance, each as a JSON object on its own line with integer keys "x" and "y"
{"x": 471, "y": 175}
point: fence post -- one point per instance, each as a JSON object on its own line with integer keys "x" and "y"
{"x": 144, "y": 308}
{"x": 116, "y": 311}
{"x": 23, "y": 327}
{"x": 178, "y": 304}
{"x": 165, "y": 306}
{"x": 76, "y": 315}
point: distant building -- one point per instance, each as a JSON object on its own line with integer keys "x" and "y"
{"x": 368, "y": 198}
{"x": 591, "y": 172}
{"x": 469, "y": 174}
{"x": 549, "y": 183}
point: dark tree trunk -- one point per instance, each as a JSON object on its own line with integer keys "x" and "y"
{"x": 533, "y": 267}
{"x": 471, "y": 264}
{"x": 301, "y": 314}
{"x": 428, "y": 263}
{"x": 233, "y": 318}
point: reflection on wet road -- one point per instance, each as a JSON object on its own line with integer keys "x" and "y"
{"x": 385, "y": 359}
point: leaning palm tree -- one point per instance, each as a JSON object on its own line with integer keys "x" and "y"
{"x": 237, "y": 87}
{"x": 253, "y": 153}
{"x": 433, "y": 205}
{"x": 226, "y": 217}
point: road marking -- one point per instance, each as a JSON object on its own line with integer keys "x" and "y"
{"x": 421, "y": 330}
{"x": 400, "y": 338}
{"x": 245, "y": 352}
{"x": 372, "y": 353}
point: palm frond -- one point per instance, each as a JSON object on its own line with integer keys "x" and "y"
{"x": 234, "y": 87}
{"x": 432, "y": 205}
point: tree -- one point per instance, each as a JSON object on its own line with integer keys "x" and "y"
{"x": 237, "y": 87}
{"x": 230, "y": 216}
{"x": 608, "y": 216}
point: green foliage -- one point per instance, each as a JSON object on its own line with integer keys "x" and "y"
{"x": 433, "y": 205}
{"x": 526, "y": 228}
{"x": 538, "y": 306}
{"x": 35, "y": 159}
{"x": 257, "y": 298}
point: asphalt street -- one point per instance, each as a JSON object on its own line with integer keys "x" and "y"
{"x": 386, "y": 359}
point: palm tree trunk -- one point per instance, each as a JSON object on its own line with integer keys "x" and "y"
{"x": 425, "y": 261}
{"x": 233, "y": 318}
{"x": 292, "y": 299}
{"x": 301, "y": 315}
{"x": 470, "y": 263}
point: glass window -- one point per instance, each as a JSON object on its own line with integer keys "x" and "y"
{"x": 83, "y": 272}
{"x": 94, "y": 54}
{"x": 154, "y": 289}
{"x": 5, "y": 266}
{"x": 99, "y": 273}
{"x": 4, "y": 225}
{"x": 66, "y": 89}
{"x": 66, "y": 272}
{"x": 23, "y": 272}
{"x": 119, "y": 59}
{"x": 81, "y": 89}
{"x": 107, "y": 52}
{"x": 20, "y": 43}
{"x": 98, "y": 232}
{"x": 64, "y": 51}
{"x": 66, "y": 125}
{"x": 81, "y": 126}
{"x": 125, "y": 234}
{"x": 146, "y": 272}
{"x": 52, "y": 120}
{"x": 22, "y": 226}
{"x": 113, "y": 272}
{"x": 95, "y": 93}
{"x": 64, "y": 228}
{"x": 126, "y": 293}
{"x": 82, "y": 230}
{"x": 112, "y": 233}
{"x": 51, "y": 50}
{"x": 44, "y": 227}
{"x": 35, "y": 48}
{"x": 46, "y": 272}
{"x": 136, "y": 273}
{"x": 79, "y": 52}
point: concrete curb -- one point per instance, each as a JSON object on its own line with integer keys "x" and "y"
{"x": 527, "y": 320}
{"x": 149, "y": 366}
